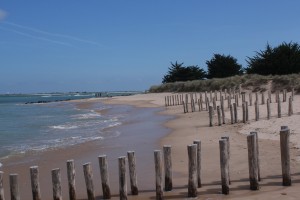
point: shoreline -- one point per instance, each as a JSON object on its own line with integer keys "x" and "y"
{"x": 89, "y": 152}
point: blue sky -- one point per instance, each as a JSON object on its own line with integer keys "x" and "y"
{"x": 97, "y": 45}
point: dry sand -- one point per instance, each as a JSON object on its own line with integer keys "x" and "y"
{"x": 186, "y": 128}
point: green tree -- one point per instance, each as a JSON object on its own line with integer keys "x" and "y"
{"x": 178, "y": 72}
{"x": 283, "y": 59}
{"x": 221, "y": 66}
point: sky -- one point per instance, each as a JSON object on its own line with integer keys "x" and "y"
{"x": 117, "y": 45}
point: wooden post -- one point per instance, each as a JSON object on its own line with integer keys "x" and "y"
{"x": 219, "y": 115}
{"x": 198, "y": 143}
{"x": 256, "y": 111}
{"x": 247, "y": 111}
{"x": 132, "y": 172}
{"x": 214, "y": 103}
{"x": 285, "y": 156}
{"x": 158, "y": 175}
{"x": 56, "y": 182}
{"x": 250, "y": 98}
{"x": 222, "y": 109}
{"x": 293, "y": 93}
{"x": 270, "y": 96}
{"x": 231, "y": 113}
{"x": 244, "y": 112}
{"x": 252, "y": 160}
{"x": 235, "y": 113}
{"x": 257, "y": 154}
{"x": 103, "y": 164}
{"x": 210, "y": 96}
{"x": 229, "y": 101}
{"x": 290, "y": 106}
{"x": 224, "y": 166}
{"x": 35, "y": 186}
{"x": 14, "y": 187}
{"x": 268, "y": 109}
{"x": 122, "y": 178}
{"x": 88, "y": 176}
{"x": 192, "y": 183}
{"x": 262, "y": 98}
{"x": 256, "y": 97}
{"x": 1, "y": 186}
{"x": 210, "y": 116}
{"x": 228, "y": 151}
{"x": 279, "y": 107}
{"x": 168, "y": 167}
{"x": 184, "y": 111}
{"x": 71, "y": 179}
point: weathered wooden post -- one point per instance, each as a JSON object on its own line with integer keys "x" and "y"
{"x": 14, "y": 187}
{"x": 192, "y": 183}
{"x": 168, "y": 167}
{"x": 268, "y": 109}
{"x": 247, "y": 111}
{"x": 279, "y": 107}
{"x": 206, "y": 99}
{"x": 184, "y": 111}
{"x": 284, "y": 95}
{"x": 293, "y": 93}
{"x": 210, "y": 96}
{"x": 228, "y": 151}
{"x": 235, "y": 113}
{"x": 219, "y": 115}
{"x": 132, "y": 172}
{"x": 103, "y": 165}
{"x": 262, "y": 98}
{"x": 222, "y": 110}
{"x": 158, "y": 175}
{"x": 201, "y": 102}
{"x": 256, "y": 97}
{"x": 290, "y": 113}
{"x": 270, "y": 96}
{"x": 166, "y": 101}
{"x": 285, "y": 155}
{"x": 122, "y": 178}
{"x": 250, "y": 98}
{"x": 252, "y": 160}
{"x": 231, "y": 114}
{"x": 216, "y": 95}
{"x": 35, "y": 186}
{"x": 214, "y": 103}
{"x": 56, "y": 182}
{"x": 1, "y": 186}
{"x": 257, "y": 154}
{"x": 256, "y": 111}
{"x": 88, "y": 176}
{"x": 198, "y": 143}
{"x": 71, "y": 179}
{"x": 229, "y": 101}
{"x": 244, "y": 112}
{"x": 186, "y": 105}
{"x": 237, "y": 100}
{"x": 224, "y": 166}
{"x": 210, "y": 116}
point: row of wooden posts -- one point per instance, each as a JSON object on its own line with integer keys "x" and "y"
{"x": 193, "y": 98}
{"x": 245, "y": 111}
{"x": 194, "y": 171}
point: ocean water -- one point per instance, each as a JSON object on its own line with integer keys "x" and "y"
{"x": 35, "y": 127}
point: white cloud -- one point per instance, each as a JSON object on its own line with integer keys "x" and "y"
{"x": 3, "y": 14}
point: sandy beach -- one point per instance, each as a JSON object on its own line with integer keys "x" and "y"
{"x": 179, "y": 131}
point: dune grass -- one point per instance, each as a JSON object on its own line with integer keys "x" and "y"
{"x": 251, "y": 82}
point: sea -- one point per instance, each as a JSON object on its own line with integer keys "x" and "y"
{"x": 38, "y": 122}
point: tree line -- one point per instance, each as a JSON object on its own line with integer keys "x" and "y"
{"x": 279, "y": 60}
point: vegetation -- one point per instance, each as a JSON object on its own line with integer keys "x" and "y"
{"x": 177, "y": 72}
{"x": 283, "y": 59}
{"x": 253, "y": 82}
{"x": 221, "y": 66}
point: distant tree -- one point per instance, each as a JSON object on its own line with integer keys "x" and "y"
{"x": 283, "y": 59}
{"x": 221, "y": 66}
{"x": 178, "y": 72}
